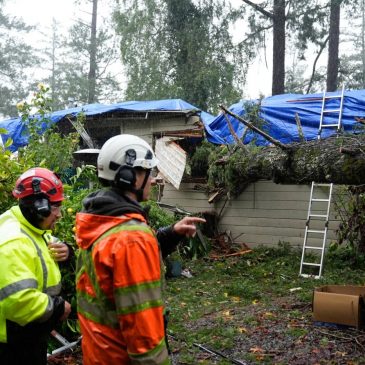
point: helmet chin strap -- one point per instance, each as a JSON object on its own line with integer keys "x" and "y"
{"x": 139, "y": 192}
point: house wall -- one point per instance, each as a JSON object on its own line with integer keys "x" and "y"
{"x": 143, "y": 124}
{"x": 264, "y": 214}
{"x": 146, "y": 128}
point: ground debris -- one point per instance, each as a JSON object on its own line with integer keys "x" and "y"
{"x": 273, "y": 338}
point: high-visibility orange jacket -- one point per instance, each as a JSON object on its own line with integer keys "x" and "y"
{"x": 118, "y": 283}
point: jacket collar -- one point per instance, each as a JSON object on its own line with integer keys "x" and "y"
{"x": 19, "y": 215}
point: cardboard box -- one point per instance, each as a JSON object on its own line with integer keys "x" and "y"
{"x": 340, "y": 304}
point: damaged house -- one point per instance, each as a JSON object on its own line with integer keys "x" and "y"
{"x": 264, "y": 213}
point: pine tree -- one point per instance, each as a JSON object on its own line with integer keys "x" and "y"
{"x": 17, "y": 58}
{"x": 179, "y": 49}
{"x": 80, "y": 65}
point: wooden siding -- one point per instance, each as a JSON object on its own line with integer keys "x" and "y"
{"x": 143, "y": 124}
{"x": 146, "y": 128}
{"x": 264, "y": 214}
{"x": 187, "y": 197}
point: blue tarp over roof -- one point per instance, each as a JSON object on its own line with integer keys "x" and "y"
{"x": 17, "y": 130}
{"x": 278, "y": 113}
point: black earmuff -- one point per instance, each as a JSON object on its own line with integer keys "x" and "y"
{"x": 125, "y": 177}
{"x": 41, "y": 203}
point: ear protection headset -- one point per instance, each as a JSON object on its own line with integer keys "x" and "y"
{"x": 41, "y": 203}
{"x": 125, "y": 177}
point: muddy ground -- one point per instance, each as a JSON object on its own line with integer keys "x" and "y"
{"x": 283, "y": 333}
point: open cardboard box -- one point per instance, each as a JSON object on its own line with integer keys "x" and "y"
{"x": 340, "y": 304}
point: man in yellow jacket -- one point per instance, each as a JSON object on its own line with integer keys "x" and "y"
{"x": 119, "y": 271}
{"x": 30, "y": 280}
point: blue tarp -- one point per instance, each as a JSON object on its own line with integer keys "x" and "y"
{"x": 278, "y": 114}
{"x": 17, "y": 130}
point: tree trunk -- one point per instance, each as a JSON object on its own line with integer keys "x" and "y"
{"x": 333, "y": 160}
{"x": 334, "y": 37}
{"x": 278, "y": 75}
{"x": 92, "y": 69}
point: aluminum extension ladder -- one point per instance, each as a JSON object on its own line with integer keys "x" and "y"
{"x": 316, "y": 228}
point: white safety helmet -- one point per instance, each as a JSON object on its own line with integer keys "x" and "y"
{"x": 124, "y": 150}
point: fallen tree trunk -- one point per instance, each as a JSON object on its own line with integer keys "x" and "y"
{"x": 338, "y": 160}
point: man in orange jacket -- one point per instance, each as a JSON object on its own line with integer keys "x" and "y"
{"x": 119, "y": 272}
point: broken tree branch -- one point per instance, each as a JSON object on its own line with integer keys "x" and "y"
{"x": 255, "y": 129}
{"x": 299, "y": 125}
{"x": 322, "y": 47}
{"x": 238, "y": 141}
{"x": 259, "y": 9}
{"x": 349, "y": 151}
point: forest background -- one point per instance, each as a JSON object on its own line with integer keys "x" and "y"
{"x": 207, "y": 52}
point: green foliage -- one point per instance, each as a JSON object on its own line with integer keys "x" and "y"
{"x": 10, "y": 170}
{"x": 65, "y": 229}
{"x": 297, "y": 332}
{"x": 350, "y": 208}
{"x": 232, "y": 167}
{"x": 139, "y": 26}
{"x": 252, "y": 113}
{"x": 69, "y": 77}
{"x": 193, "y": 57}
{"x": 46, "y": 147}
{"x": 295, "y": 82}
{"x": 216, "y": 177}
{"x": 194, "y": 248}
{"x": 229, "y": 168}
{"x": 49, "y": 150}
{"x": 157, "y": 217}
{"x": 17, "y": 59}
{"x": 190, "y": 248}
{"x": 199, "y": 163}
{"x": 85, "y": 177}
{"x": 345, "y": 255}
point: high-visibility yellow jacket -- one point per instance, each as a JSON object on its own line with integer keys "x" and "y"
{"x": 118, "y": 286}
{"x": 29, "y": 277}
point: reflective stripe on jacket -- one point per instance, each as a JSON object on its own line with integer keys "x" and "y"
{"x": 28, "y": 274}
{"x": 119, "y": 291}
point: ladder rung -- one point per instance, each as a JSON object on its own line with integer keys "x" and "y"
{"x": 320, "y": 200}
{"x": 333, "y": 96}
{"x": 321, "y": 184}
{"x": 330, "y": 125}
{"x": 318, "y": 215}
{"x": 315, "y": 231}
{"x": 313, "y": 248}
{"x": 311, "y": 264}
{"x": 331, "y": 110}
{"x": 310, "y": 276}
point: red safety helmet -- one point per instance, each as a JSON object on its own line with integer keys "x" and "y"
{"x": 39, "y": 180}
